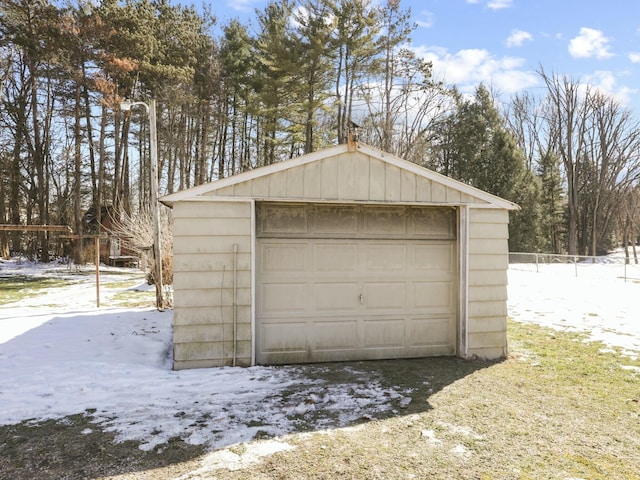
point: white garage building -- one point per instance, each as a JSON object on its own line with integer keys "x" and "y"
{"x": 348, "y": 253}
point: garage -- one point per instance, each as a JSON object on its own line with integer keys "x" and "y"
{"x": 348, "y": 253}
{"x": 348, "y": 282}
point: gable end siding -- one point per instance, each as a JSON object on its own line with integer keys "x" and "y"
{"x": 347, "y": 177}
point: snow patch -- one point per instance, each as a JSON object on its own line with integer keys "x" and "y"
{"x": 597, "y": 301}
{"x": 60, "y": 355}
{"x": 237, "y": 457}
{"x": 430, "y": 435}
{"x": 461, "y": 450}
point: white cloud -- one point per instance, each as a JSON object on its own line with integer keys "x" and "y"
{"x": 634, "y": 57}
{"x": 243, "y": 5}
{"x": 499, "y": 4}
{"x": 518, "y": 37}
{"x": 607, "y": 82}
{"x": 425, "y": 19}
{"x": 468, "y": 68}
{"x": 493, "y": 4}
{"x": 590, "y": 43}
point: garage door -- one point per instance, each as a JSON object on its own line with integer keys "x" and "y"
{"x": 350, "y": 282}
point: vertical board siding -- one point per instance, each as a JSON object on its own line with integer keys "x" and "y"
{"x": 295, "y": 183}
{"x": 488, "y": 263}
{"x": 361, "y": 173}
{"x": 408, "y": 187}
{"x": 348, "y": 176}
{"x": 204, "y": 236}
{"x": 377, "y": 180}
{"x": 393, "y": 184}
{"x": 312, "y": 184}
{"x": 438, "y": 193}
{"x": 348, "y": 179}
{"x": 329, "y": 178}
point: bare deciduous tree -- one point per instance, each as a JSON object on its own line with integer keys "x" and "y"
{"x": 137, "y": 229}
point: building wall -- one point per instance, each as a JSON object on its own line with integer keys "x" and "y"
{"x": 348, "y": 177}
{"x": 205, "y": 233}
{"x": 488, "y": 263}
{"x": 203, "y": 261}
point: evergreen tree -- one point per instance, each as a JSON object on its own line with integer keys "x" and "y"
{"x": 475, "y": 146}
{"x": 275, "y": 75}
{"x": 357, "y": 25}
{"x": 238, "y": 69}
{"x": 552, "y": 205}
{"x": 313, "y": 49}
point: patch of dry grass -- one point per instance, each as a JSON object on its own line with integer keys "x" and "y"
{"x": 557, "y": 408}
{"x": 15, "y": 288}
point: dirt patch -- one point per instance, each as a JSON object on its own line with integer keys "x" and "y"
{"x": 75, "y": 448}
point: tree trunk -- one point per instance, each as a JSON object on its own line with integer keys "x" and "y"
{"x": 77, "y": 175}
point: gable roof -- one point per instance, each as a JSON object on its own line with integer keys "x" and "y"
{"x": 225, "y": 186}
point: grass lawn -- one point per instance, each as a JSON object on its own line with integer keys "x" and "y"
{"x": 15, "y": 288}
{"x": 557, "y": 408}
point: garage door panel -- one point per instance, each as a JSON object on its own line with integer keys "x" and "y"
{"x": 336, "y": 297}
{"x": 278, "y": 219}
{"x": 384, "y": 257}
{"x": 439, "y": 257}
{"x": 430, "y": 331}
{"x": 433, "y": 295}
{"x": 384, "y": 221}
{"x": 386, "y": 333}
{"x": 286, "y": 257}
{"x": 384, "y": 295}
{"x": 283, "y": 298}
{"x": 332, "y": 257}
{"x": 283, "y": 337}
{"x": 338, "y": 334}
{"x": 335, "y": 219}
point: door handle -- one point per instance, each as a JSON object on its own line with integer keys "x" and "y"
{"x": 361, "y": 299}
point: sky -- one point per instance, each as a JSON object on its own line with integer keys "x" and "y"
{"x": 60, "y": 355}
{"x": 502, "y": 43}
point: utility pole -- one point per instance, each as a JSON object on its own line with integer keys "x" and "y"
{"x": 155, "y": 205}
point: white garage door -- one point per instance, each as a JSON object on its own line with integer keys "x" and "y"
{"x": 357, "y": 292}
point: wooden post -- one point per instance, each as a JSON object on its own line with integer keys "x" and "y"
{"x": 96, "y": 259}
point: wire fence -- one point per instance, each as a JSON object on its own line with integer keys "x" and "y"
{"x": 625, "y": 268}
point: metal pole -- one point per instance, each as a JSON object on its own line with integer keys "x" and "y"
{"x": 155, "y": 205}
{"x": 235, "y": 303}
{"x": 97, "y": 261}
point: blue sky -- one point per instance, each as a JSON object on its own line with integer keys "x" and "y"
{"x": 502, "y": 42}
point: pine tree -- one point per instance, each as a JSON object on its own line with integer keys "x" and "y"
{"x": 476, "y": 147}
{"x": 275, "y": 78}
{"x": 312, "y": 43}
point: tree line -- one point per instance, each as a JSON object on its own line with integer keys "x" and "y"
{"x": 238, "y": 96}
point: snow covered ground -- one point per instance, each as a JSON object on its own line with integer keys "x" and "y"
{"x": 61, "y": 355}
{"x": 594, "y": 298}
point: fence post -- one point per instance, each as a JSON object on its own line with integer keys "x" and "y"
{"x": 537, "y": 271}
{"x": 575, "y": 265}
